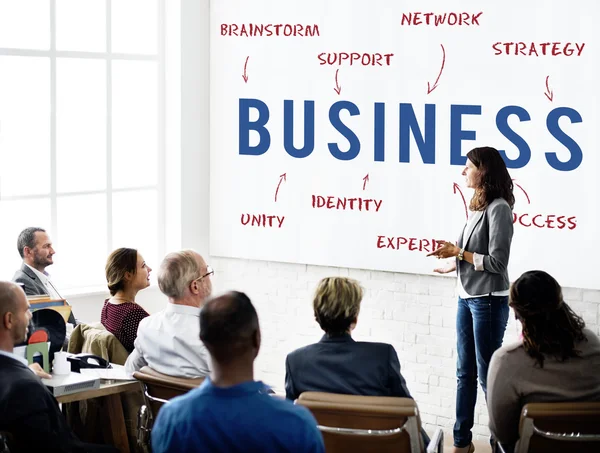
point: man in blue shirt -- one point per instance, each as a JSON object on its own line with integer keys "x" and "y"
{"x": 231, "y": 412}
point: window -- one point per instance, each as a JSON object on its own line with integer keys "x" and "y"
{"x": 82, "y": 131}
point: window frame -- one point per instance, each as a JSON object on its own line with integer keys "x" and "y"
{"x": 160, "y": 58}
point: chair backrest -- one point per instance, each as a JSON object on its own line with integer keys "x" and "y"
{"x": 365, "y": 423}
{"x": 159, "y": 388}
{"x": 560, "y": 427}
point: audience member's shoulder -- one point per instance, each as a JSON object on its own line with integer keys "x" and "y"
{"x": 148, "y": 319}
{"x": 16, "y": 370}
{"x": 287, "y": 408}
{"x": 592, "y": 340}
{"x": 135, "y": 311}
{"x": 591, "y": 336}
{"x": 296, "y": 354}
{"x": 29, "y": 385}
{"x": 510, "y": 350}
{"x": 375, "y": 346}
{"x": 177, "y": 406}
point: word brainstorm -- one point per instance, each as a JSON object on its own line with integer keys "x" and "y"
{"x": 424, "y": 135}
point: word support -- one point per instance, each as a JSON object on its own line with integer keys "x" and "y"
{"x": 355, "y": 58}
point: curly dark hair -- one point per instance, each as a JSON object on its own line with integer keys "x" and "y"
{"x": 550, "y": 327}
{"x": 495, "y": 182}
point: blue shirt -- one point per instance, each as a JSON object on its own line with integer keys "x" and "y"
{"x": 242, "y": 418}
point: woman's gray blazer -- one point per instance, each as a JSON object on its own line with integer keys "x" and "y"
{"x": 490, "y": 235}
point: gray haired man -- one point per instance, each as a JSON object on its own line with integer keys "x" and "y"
{"x": 169, "y": 341}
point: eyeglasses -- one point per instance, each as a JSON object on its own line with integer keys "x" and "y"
{"x": 209, "y": 271}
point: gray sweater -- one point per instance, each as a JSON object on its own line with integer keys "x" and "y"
{"x": 515, "y": 379}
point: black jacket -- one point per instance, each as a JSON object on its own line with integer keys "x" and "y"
{"x": 30, "y": 412}
{"x": 29, "y": 281}
{"x": 342, "y": 365}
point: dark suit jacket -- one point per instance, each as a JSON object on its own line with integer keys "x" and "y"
{"x": 30, "y": 413}
{"x": 342, "y": 365}
{"x": 30, "y": 282}
{"x": 33, "y": 286}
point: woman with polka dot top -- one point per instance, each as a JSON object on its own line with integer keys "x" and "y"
{"x": 126, "y": 274}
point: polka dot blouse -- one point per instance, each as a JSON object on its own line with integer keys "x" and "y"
{"x": 122, "y": 321}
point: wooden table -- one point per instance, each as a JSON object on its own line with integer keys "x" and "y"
{"x": 110, "y": 392}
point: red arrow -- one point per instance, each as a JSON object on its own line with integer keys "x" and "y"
{"x": 338, "y": 88}
{"x": 549, "y": 93}
{"x": 244, "y": 76}
{"x": 457, "y": 187}
{"x": 365, "y": 180}
{"x": 528, "y": 200}
{"x": 281, "y": 178}
{"x": 430, "y": 88}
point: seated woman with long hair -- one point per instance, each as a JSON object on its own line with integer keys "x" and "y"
{"x": 557, "y": 360}
{"x": 126, "y": 274}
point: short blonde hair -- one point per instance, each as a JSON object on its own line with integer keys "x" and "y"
{"x": 337, "y": 303}
{"x": 176, "y": 272}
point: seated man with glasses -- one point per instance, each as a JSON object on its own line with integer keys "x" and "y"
{"x": 169, "y": 341}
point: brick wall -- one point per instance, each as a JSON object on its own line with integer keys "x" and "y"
{"x": 415, "y": 313}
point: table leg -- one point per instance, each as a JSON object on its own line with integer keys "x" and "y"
{"x": 115, "y": 430}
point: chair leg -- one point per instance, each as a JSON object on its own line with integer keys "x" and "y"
{"x": 143, "y": 430}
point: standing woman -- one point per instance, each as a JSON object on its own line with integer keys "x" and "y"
{"x": 481, "y": 263}
{"x": 126, "y": 274}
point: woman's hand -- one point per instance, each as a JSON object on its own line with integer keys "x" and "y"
{"x": 447, "y": 250}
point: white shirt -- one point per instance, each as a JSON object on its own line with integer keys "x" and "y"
{"x": 14, "y": 356}
{"x": 45, "y": 279}
{"x": 169, "y": 342}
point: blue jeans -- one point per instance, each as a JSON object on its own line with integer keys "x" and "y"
{"x": 480, "y": 326}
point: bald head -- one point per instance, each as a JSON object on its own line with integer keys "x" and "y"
{"x": 9, "y": 297}
{"x": 229, "y": 327}
{"x": 14, "y": 315}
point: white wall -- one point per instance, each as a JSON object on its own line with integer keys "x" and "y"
{"x": 195, "y": 164}
{"x": 416, "y": 314}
